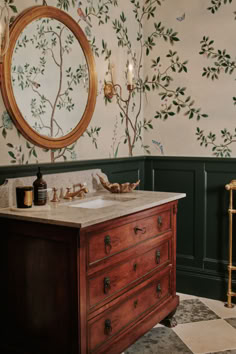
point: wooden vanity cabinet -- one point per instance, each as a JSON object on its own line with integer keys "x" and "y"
{"x": 90, "y": 290}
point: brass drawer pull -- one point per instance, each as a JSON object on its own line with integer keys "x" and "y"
{"x": 107, "y": 285}
{"x": 135, "y": 266}
{"x": 108, "y": 327}
{"x": 108, "y": 246}
{"x": 135, "y": 303}
{"x": 139, "y": 229}
{"x": 158, "y": 289}
{"x": 158, "y": 256}
{"x": 159, "y": 221}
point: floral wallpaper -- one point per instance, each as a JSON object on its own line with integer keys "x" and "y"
{"x": 206, "y": 41}
{"x": 178, "y": 101}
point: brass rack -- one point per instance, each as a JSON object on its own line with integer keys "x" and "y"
{"x": 230, "y": 187}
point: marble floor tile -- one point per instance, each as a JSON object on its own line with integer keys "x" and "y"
{"x": 207, "y": 336}
{"x": 193, "y": 310}
{"x": 231, "y": 321}
{"x": 186, "y": 296}
{"x": 219, "y": 308}
{"x": 159, "y": 340}
{"x": 205, "y": 326}
{"x": 158, "y": 325}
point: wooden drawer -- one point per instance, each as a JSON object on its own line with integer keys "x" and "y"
{"x": 107, "y": 243}
{"x": 111, "y": 281}
{"x": 118, "y": 317}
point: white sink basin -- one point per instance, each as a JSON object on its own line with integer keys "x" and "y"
{"x": 97, "y": 203}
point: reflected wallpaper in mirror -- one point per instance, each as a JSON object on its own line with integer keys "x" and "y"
{"x": 50, "y": 77}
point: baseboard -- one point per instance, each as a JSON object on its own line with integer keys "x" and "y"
{"x": 204, "y": 285}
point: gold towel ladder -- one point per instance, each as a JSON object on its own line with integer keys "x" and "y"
{"x": 230, "y": 187}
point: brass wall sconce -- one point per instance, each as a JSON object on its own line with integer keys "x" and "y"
{"x": 110, "y": 89}
{"x": 130, "y": 87}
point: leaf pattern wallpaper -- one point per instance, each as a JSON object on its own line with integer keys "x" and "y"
{"x": 182, "y": 100}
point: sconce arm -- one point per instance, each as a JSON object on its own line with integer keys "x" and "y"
{"x": 120, "y": 95}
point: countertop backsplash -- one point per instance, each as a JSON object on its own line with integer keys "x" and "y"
{"x": 58, "y": 180}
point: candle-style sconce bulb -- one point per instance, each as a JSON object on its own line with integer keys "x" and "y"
{"x": 130, "y": 74}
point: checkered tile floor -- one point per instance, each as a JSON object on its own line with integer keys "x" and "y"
{"x": 204, "y": 326}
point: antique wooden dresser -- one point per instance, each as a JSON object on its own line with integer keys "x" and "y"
{"x": 97, "y": 289}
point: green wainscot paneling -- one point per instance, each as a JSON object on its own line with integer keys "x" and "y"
{"x": 216, "y": 247}
{"x": 202, "y": 232}
{"x": 183, "y": 176}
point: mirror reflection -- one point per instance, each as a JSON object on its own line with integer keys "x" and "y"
{"x": 49, "y": 77}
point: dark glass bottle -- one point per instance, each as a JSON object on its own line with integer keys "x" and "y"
{"x": 40, "y": 190}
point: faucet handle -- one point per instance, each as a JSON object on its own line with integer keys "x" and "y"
{"x": 55, "y": 197}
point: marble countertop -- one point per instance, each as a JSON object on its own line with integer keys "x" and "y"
{"x": 62, "y": 213}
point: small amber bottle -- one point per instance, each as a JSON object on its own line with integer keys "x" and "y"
{"x": 40, "y": 190}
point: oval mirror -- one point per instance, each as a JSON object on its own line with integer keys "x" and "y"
{"x": 49, "y": 83}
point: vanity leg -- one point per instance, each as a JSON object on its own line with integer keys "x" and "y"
{"x": 169, "y": 321}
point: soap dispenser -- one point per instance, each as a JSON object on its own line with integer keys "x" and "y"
{"x": 40, "y": 190}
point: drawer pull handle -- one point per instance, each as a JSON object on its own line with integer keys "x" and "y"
{"x": 158, "y": 289}
{"x": 139, "y": 229}
{"x": 107, "y": 285}
{"x": 135, "y": 303}
{"x": 159, "y": 221}
{"x": 108, "y": 327}
{"x": 107, "y": 242}
{"x": 135, "y": 266}
{"x": 158, "y": 256}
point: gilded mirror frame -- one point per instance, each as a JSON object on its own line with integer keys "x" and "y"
{"x": 21, "y": 21}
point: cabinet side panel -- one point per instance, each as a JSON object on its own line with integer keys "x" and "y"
{"x": 41, "y": 288}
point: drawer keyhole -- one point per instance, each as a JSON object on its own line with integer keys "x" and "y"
{"x": 107, "y": 285}
{"x": 158, "y": 289}
{"x": 158, "y": 256}
{"x": 107, "y": 243}
{"x": 159, "y": 221}
{"x": 108, "y": 327}
{"x": 142, "y": 230}
{"x": 135, "y": 303}
{"x": 135, "y": 266}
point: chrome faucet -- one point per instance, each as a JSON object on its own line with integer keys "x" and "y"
{"x": 79, "y": 193}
